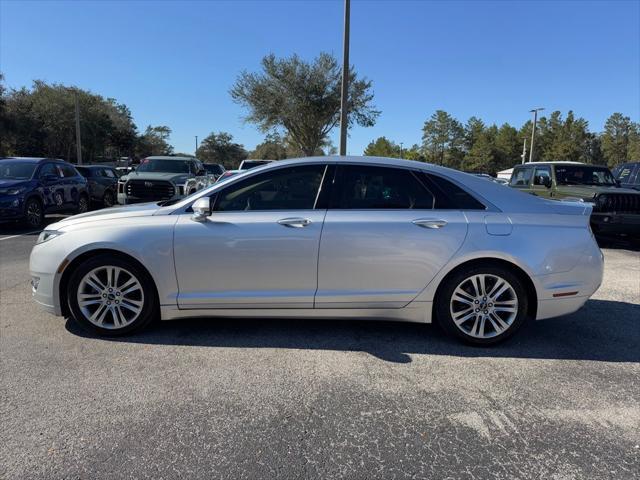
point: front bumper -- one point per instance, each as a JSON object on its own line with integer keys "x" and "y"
{"x": 616, "y": 223}
{"x": 11, "y": 208}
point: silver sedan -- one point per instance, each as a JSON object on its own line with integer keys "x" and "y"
{"x": 326, "y": 237}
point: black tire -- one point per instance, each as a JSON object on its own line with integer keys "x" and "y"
{"x": 149, "y": 300}
{"x": 109, "y": 199}
{"x": 465, "y": 330}
{"x": 83, "y": 203}
{"x": 33, "y": 213}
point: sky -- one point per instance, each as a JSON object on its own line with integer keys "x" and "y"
{"x": 173, "y": 63}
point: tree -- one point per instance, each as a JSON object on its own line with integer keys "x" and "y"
{"x": 272, "y": 148}
{"x": 303, "y": 98}
{"x": 154, "y": 142}
{"x": 508, "y": 147}
{"x": 618, "y": 131}
{"x": 381, "y": 147}
{"x": 220, "y": 148}
{"x": 41, "y": 122}
{"x": 442, "y": 139}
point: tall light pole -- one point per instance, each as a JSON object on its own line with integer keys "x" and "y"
{"x": 533, "y": 130}
{"x": 196, "y": 152}
{"x": 401, "y": 149}
{"x": 78, "y": 140}
{"x": 524, "y": 151}
{"x": 345, "y": 81}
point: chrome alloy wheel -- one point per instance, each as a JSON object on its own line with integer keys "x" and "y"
{"x": 484, "y": 306}
{"x": 34, "y": 214}
{"x": 110, "y": 297}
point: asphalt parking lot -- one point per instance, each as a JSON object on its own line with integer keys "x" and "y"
{"x": 319, "y": 399}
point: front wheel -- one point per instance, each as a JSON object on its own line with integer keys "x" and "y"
{"x": 111, "y": 296}
{"x": 482, "y": 305}
{"x": 34, "y": 213}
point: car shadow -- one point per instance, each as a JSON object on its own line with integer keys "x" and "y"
{"x": 602, "y": 330}
{"x": 619, "y": 242}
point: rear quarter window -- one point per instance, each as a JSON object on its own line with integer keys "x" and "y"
{"x": 521, "y": 177}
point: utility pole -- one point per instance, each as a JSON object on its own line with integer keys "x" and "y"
{"x": 345, "y": 81}
{"x": 401, "y": 149}
{"x": 533, "y": 130}
{"x": 524, "y": 151}
{"x": 78, "y": 140}
{"x": 196, "y": 145}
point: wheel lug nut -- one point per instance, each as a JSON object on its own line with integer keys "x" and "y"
{"x": 477, "y": 309}
{"x": 104, "y": 295}
{"x": 111, "y": 290}
{"x": 108, "y": 303}
{"x": 476, "y": 301}
{"x": 118, "y": 294}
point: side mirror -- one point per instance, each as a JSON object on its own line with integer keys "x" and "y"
{"x": 201, "y": 209}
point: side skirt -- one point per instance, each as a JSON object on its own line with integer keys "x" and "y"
{"x": 415, "y": 312}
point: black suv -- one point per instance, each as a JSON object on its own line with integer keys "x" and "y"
{"x": 628, "y": 175}
{"x": 103, "y": 183}
{"x": 33, "y": 187}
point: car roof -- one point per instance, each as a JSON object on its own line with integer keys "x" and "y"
{"x": 94, "y": 166}
{"x": 33, "y": 159}
{"x": 555, "y": 162}
{"x": 166, "y": 157}
{"x": 490, "y": 193}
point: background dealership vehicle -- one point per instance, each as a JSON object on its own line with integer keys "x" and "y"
{"x": 102, "y": 183}
{"x": 628, "y": 175}
{"x": 33, "y": 187}
{"x": 228, "y": 174}
{"x": 214, "y": 170}
{"x": 249, "y": 164}
{"x": 615, "y": 209}
{"x": 162, "y": 178}
{"x": 326, "y": 237}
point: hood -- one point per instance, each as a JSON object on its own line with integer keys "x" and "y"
{"x": 171, "y": 177}
{"x": 589, "y": 191}
{"x": 113, "y": 213}
{"x": 12, "y": 182}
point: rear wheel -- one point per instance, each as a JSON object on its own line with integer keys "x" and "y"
{"x": 482, "y": 305}
{"x": 34, "y": 213}
{"x": 83, "y": 204}
{"x": 111, "y": 296}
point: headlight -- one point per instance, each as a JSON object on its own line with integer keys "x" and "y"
{"x": 12, "y": 191}
{"x": 47, "y": 235}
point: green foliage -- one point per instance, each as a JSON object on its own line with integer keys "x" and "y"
{"x": 272, "y": 148}
{"x": 220, "y": 148}
{"x": 382, "y": 147}
{"x": 443, "y": 140}
{"x": 41, "y": 122}
{"x": 303, "y": 99}
{"x": 620, "y": 140}
{"x": 154, "y": 142}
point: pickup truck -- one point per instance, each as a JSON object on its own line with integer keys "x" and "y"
{"x": 162, "y": 178}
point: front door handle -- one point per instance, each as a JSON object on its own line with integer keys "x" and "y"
{"x": 295, "y": 222}
{"x": 429, "y": 223}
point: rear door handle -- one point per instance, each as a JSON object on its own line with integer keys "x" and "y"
{"x": 429, "y": 223}
{"x": 295, "y": 222}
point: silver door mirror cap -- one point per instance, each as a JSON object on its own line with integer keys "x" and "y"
{"x": 201, "y": 209}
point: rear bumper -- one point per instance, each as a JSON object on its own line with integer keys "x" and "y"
{"x": 564, "y": 293}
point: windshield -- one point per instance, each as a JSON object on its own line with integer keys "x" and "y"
{"x": 247, "y": 164}
{"x": 17, "y": 170}
{"x": 583, "y": 175}
{"x": 169, "y": 166}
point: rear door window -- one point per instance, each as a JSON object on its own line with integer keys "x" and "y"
{"x": 68, "y": 171}
{"x": 363, "y": 187}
